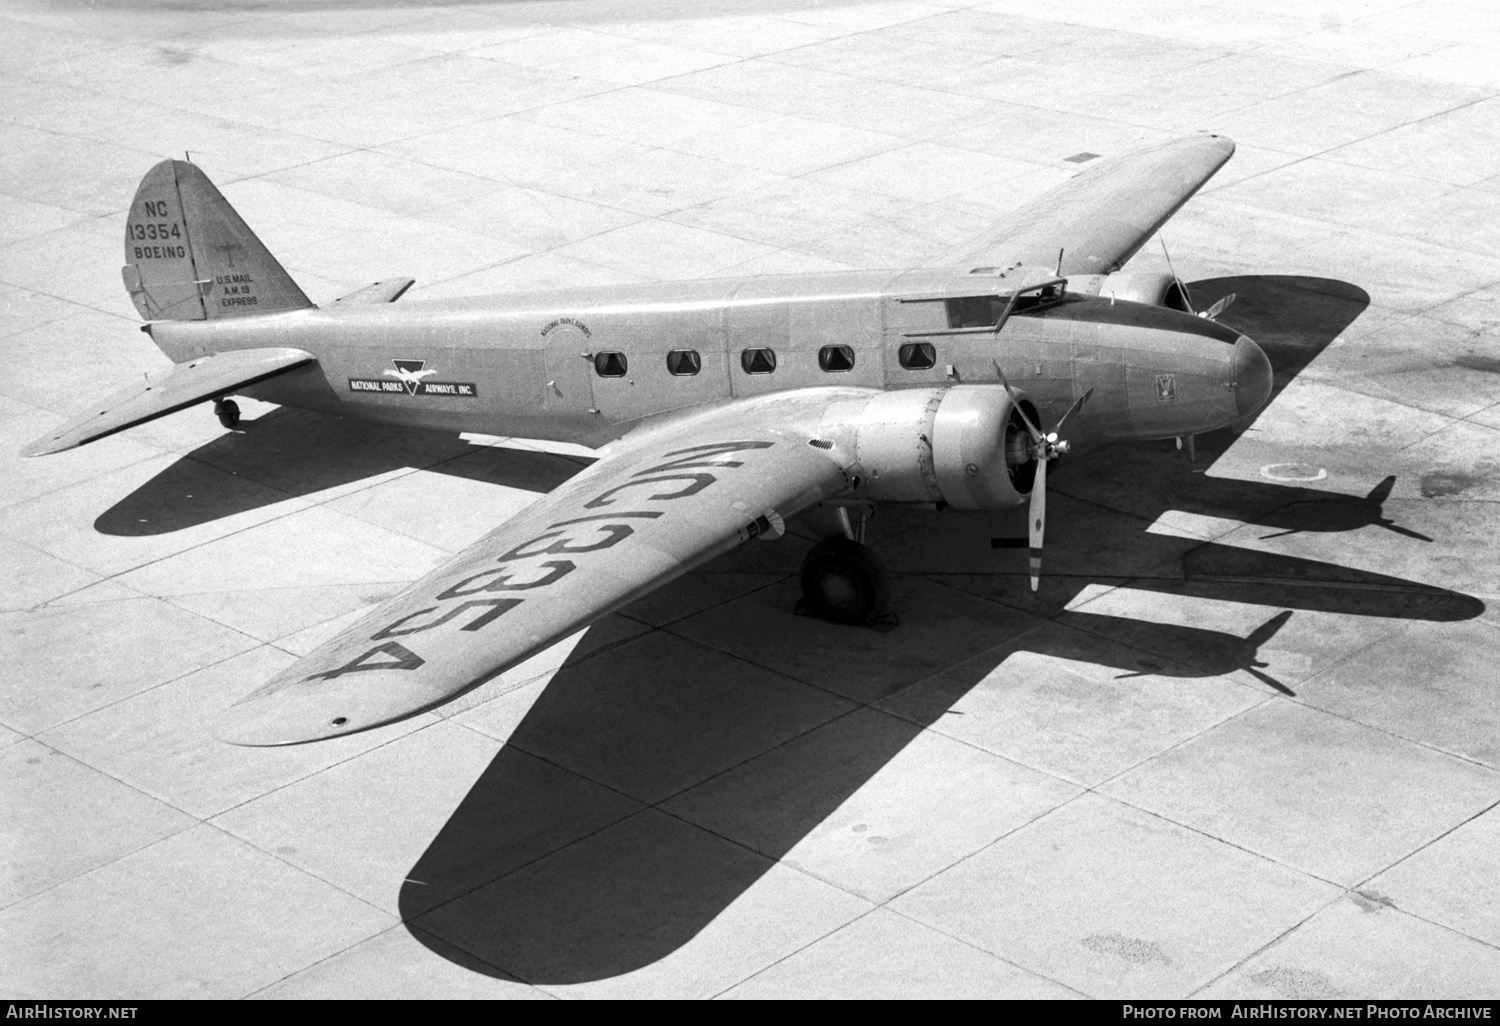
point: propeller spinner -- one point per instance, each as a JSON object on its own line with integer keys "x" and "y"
{"x": 1044, "y": 448}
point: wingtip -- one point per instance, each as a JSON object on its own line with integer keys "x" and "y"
{"x": 1220, "y": 144}
{"x": 44, "y": 447}
{"x": 276, "y": 715}
{"x": 256, "y": 722}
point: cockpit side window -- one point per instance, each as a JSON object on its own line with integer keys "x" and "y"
{"x": 986, "y": 311}
{"x": 975, "y": 311}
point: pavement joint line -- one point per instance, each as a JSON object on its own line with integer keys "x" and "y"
{"x": 775, "y": 860}
{"x": 886, "y": 902}
{"x": 1418, "y": 742}
{"x": 796, "y": 951}
{"x": 751, "y": 662}
{"x": 51, "y": 746}
{"x": 1451, "y": 422}
{"x": 82, "y": 307}
{"x": 317, "y": 962}
{"x": 974, "y": 854}
{"x": 780, "y": 579}
{"x": 1423, "y": 847}
{"x": 415, "y": 921}
{"x": 1300, "y": 870}
{"x": 1268, "y": 945}
{"x": 43, "y": 606}
{"x": 1368, "y": 384}
{"x": 1094, "y": 788}
{"x": 936, "y": 928}
{"x": 125, "y": 698}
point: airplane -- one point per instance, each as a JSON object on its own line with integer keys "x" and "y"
{"x": 721, "y": 409}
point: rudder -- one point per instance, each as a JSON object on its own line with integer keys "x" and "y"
{"x": 189, "y": 256}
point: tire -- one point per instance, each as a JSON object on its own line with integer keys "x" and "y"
{"x": 228, "y": 412}
{"x": 844, "y": 583}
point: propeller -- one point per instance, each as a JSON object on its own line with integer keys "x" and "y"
{"x": 1212, "y": 313}
{"x": 1044, "y": 448}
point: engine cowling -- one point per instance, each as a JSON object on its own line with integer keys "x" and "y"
{"x": 1154, "y": 288}
{"x": 964, "y": 446}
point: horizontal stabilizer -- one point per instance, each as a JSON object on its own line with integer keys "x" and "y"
{"x": 387, "y": 291}
{"x": 156, "y": 396}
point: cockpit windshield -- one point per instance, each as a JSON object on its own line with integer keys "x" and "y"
{"x": 986, "y": 311}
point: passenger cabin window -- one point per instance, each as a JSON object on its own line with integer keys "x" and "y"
{"x": 917, "y": 355}
{"x": 683, "y": 362}
{"x": 609, "y": 365}
{"x": 836, "y": 358}
{"x": 758, "y": 361}
{"x": 975, "y": 311}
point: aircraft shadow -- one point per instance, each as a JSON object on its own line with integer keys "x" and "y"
{"x": 293, "y": 453}
{"x": 641, "y": 887}
{"x": 638, "y": 888}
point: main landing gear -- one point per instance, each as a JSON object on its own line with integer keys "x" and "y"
{"x": 842, "y": 580}
{"x": 228, "y": 412}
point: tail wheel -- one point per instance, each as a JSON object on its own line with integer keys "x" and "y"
{"x": 843, "y": 582}
{"x": 228, "y": 412}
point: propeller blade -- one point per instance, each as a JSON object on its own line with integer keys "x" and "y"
{"x": 1015, "y": 401}
{"x": 1212, "y": 313}
{"x": 1173, "y": 271}
{"x": 1038, "y": 521}
{"x": 1078, "y": 404}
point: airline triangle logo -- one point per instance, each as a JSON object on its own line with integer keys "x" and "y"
{"x": 410, "y": 373}
{"x": 411, "y": 379}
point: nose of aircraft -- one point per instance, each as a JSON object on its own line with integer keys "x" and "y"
{"x": 1252, "y": 376}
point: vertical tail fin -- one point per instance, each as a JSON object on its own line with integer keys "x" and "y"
{"x": 189, "y": 257}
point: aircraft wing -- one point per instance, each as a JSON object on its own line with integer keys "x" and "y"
{"x": 180, "y": 386}
{"x": 634, "y": 520}
{"x": 1100, "y": 218}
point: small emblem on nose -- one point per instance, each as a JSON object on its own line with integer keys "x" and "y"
{"x": 1166, "y": 388}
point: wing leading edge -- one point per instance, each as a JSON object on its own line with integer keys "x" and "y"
{"x": 633, "y": 521}
{"x": 1100, "y": 218}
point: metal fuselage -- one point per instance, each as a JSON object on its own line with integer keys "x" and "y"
{"x": 530, "y": 365}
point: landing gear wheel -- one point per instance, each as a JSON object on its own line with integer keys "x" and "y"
{"x": 843, "y": 582}
{"x": 228, "y": 412}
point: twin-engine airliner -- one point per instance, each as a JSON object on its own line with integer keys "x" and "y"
{"x": 722, "y": 408}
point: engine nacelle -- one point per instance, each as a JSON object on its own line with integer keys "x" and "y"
{"x": 1154, "y": 288}
{"x": 964, "y": 446}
